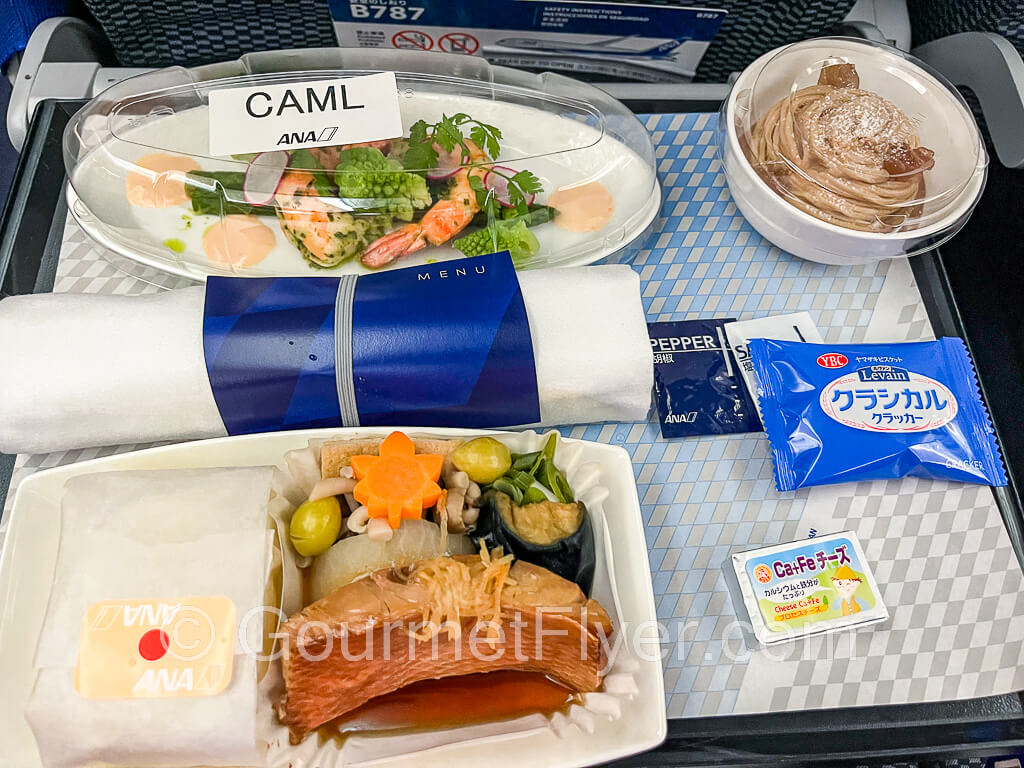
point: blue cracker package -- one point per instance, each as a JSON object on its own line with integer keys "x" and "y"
{"x": 699, "y": 387}
{"x": 837, "y": 413}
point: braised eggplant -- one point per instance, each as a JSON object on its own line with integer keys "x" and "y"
{"x": 554, "y": 535}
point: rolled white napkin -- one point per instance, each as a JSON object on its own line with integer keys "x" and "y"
{"x": 590, "y": 344}
{"x": 78, "y": 370}
{"x": 82, "y": 370}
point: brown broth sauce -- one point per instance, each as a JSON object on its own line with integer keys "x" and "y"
{"x": 454, "y": 701}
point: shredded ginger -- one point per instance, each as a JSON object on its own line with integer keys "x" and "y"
{"x": 456, "y": 591}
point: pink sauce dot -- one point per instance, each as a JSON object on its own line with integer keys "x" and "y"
{"x": 154, "y": 644}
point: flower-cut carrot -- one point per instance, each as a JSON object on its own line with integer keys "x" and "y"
{"x": 398, "y": 483}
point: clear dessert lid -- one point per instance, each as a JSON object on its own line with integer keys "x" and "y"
{"x": 860, "y": 135}
{"x": 344, "y": 160}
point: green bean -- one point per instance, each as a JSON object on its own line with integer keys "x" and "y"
{"x": 523, "y": 462}
{"x": 533, "y": 495}
{"x": 507, "y": 486}
{"x": 521, "y": 480}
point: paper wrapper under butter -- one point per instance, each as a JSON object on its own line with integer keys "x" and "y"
{"x": 464, "y": 343}
{"x": 145, "y": 553}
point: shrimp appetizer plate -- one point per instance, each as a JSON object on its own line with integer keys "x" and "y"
{"x": 486, "y": 159}
{"x": 298, "y": 719}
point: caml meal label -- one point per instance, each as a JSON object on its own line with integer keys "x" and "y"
{"x": 310, "y": 113}
{"x": 152, "y": 649}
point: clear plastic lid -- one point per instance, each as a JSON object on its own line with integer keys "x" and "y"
{"x": 488, "y": 158}
{"x": 860, "y": 135}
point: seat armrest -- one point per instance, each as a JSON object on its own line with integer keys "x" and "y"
{"x": 59, "y": 40}
{"x": 990, "y": 66}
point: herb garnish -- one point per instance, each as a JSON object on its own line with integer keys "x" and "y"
{"x": 448, "y": 133}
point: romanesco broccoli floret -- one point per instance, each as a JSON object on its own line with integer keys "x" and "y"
{"x": 513, "y": 237}
{"x": 372, "y": 182}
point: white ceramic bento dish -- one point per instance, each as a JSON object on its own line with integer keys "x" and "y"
{"x": 30, "y": 550}
{"x": 944, "y": 124}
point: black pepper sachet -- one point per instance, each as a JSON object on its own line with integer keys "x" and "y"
{"x": 698, "y": 385}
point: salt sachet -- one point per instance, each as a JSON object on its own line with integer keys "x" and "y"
{"x": 837, "y": 413}
{"x": 697, "y": 382}
{"x": 798, "y": 326}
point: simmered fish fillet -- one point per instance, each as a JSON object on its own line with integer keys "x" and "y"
{"x": 361, "y": 641}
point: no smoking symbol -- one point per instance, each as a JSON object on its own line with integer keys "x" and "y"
{"x": 413, "y": 39}
{"x": 458, "y": 42}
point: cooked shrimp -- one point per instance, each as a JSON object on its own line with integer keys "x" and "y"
{"x": 325, "y": 237}
{"x": 445, "y": 219}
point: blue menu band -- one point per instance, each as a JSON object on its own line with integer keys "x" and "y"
{"x": 438, "y": 345}
{"x": 444, "y": 344}
{"x": 270, "y": 352}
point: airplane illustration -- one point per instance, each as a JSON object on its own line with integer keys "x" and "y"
{"x": 607, "y": 46}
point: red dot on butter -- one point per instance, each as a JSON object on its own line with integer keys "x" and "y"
{"x": 154, "y": 644}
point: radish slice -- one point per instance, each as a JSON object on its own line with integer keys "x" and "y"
{"x": 499, "y": 185}
{"x": 448, "y": 163}
{"x": 263, "y": 176}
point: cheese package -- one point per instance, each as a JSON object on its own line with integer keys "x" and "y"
{"x": 166, "y": 587}
{"x": 807, "y": 587}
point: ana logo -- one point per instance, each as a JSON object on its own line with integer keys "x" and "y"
{"x": 832, "y": 360}
{"x": 148, "y": 614}
{"x": 154, "y": 682}
{"x": 301, "y": 137}
{"x": 763, "y": 574}
{"x": 681, "y": 418}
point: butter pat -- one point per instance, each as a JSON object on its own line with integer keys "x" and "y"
{"x": 807, "y": 587}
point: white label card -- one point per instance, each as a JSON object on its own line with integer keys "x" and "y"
{"x": 311, "y": 113}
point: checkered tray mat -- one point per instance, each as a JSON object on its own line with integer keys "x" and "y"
{"x": 940, "y": 552}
